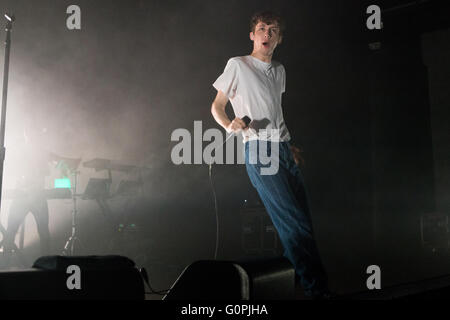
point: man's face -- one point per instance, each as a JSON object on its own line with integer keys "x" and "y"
{"x": 265, "y": 38}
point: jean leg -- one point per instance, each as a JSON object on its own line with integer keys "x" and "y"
{"x": 290, "y": 217}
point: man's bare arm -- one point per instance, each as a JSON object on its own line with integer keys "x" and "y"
{"x": 219, "y": 114}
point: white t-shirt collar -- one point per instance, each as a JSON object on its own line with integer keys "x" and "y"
{"x": 264, "y": 66}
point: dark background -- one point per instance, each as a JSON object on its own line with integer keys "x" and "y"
{"x": 373, "y": 124}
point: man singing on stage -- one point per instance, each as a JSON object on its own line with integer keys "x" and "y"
{"x": 254, "y": 85}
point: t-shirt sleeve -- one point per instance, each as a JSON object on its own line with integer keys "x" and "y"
{"x": 228, "y": 80}
{"x": 283, "y": 80}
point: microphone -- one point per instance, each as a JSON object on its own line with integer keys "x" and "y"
{"x": 247, "y": 121}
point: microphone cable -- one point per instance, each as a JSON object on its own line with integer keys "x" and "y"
{"x": 215, "y": 201}
{"x": 247, "y": 121}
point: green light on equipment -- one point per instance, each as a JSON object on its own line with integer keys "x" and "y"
{"x": 62, "y": 183}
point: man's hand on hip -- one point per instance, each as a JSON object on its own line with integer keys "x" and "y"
{"x": 296, "y": 153}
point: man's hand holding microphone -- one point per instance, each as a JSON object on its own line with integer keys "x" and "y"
{"x": 238, "y": 124}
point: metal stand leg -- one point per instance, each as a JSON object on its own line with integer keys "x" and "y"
{"x": 10, "y": 19}
{"x": 70, "y": 244}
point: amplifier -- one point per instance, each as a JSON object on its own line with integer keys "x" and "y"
{"x": 258, "y": 235}
{"x": 434, "y": 231}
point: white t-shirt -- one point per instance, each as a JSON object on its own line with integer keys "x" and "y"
{"x": 254, "y": 88}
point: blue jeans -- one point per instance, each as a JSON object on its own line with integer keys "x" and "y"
{"x": 285, "y": 198}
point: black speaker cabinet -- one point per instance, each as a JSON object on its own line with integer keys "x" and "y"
{"x": 434, "y": 231}
{"x": 262, "y": 279}
{"x": 258, "y": 235}
{"x": 107, "y": 277}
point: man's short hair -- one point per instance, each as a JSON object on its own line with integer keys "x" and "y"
{"x": 268, "y": 17}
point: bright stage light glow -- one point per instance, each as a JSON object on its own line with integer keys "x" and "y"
{"x": 62, "y": 183}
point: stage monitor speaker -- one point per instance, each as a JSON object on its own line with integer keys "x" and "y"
{"x": 262, "y": 279}
{"x": 101, "y": 277}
